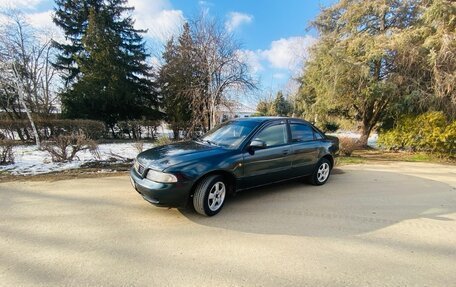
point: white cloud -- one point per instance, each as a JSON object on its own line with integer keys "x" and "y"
{"x": 42, "y": 22}
{"x": 15, "y": 4}
{"x": 158, "y": 18}
{"x": 283, "y": 54}
{"x": 288, "y": 53}
{"x": 236, "y": 19}
{"x": 252, "y": 59}
{"x": 40, "y": 19}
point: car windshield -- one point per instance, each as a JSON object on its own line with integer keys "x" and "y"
{"x": 229, "y": 134}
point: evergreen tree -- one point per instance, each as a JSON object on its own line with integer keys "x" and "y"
{"x": 105, "y": 60}
{"x": 72, "y": 17}
{"x": 175, "y": 79}
{"x": 355, "y": 69}
{"x": 263, "y": 108}
{"x": 280, "y": 106}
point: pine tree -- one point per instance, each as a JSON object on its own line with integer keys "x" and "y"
{"x": 176, "y": 78}
{"x": 107, "y": 75}
{"x": 280, "y": 106}
{"x": 72, "y": 17}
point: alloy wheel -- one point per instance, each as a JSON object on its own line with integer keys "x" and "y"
{"x": 216, "y": 196}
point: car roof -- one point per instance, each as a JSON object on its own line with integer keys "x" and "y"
{"x": 269, "y": 118}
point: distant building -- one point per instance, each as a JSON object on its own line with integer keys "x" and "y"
{"x": 236, "y": 110}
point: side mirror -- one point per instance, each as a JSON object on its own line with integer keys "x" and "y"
{"x": 257, "y": 144}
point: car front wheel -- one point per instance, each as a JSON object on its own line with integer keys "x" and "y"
{"x": 321, "y": 172}
{"x": 209, "y": 195}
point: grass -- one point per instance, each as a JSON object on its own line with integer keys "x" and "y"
{"x": 344, "y": 160}
{"x": 375, "y": 155}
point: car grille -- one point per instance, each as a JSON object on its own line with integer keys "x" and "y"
{"x": 139, "y": 168}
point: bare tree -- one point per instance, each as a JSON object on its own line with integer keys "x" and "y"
{"x": 225, "y": 71}
{"x": 26, "y": 77}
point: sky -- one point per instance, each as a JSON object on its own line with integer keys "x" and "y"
{"x": 274, "y": 34}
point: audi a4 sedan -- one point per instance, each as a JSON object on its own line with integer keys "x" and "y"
{"x": 237, "y": 155}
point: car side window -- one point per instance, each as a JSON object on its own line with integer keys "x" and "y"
{"x": 317, "y": 135}
{"x": 274, "y": 135}
{"x": 301, "y": 133}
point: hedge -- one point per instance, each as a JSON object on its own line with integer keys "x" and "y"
{"x": 49, "y": 128}
{"x": 430, "y": 132}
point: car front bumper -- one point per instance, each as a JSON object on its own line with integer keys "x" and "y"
{"x": 161, "y": 194}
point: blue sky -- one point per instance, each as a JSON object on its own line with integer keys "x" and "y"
{"x": 273, "y": 33}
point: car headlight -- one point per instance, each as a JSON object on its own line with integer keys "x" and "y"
{"x": 161, "y": 176}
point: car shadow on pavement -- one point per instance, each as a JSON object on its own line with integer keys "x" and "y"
{"x": 351, "y": 203}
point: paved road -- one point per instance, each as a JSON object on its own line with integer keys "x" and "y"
{"x": 375, "y": 225}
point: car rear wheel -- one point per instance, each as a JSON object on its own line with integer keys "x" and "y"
{"x": 321, "y": 172}
{"x": 209, "y": 195}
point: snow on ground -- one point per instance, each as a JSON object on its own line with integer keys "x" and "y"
{"x": 29, "y": 160}
{"x": 372, "y": 141}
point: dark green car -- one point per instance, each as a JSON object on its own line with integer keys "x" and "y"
{"x": 237, "y": 155}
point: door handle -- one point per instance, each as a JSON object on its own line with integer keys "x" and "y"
{"x": 285, "y": 152}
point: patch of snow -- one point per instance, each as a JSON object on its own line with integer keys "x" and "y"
{"x": 30, "y": 161}
{"x": 372, "y": 141}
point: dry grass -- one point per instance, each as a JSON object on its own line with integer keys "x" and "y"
{"x": 6, "y": 152}
{"x": 139, "y": 146}
{"x": 64, "y": 148}
{"x": 366, "y": 156}
{"x": 348, "y": 145}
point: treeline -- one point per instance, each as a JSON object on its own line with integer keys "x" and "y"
{"x": 279, "y": 106}
{"x": 376, "y": 61}
{"x": 101, "y": 71}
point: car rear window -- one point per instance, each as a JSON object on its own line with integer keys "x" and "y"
{"x": 301, "y": 133}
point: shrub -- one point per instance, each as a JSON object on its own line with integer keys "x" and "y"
{"x": 50, "y": 128}
{"x": 163, "y": 140}
{"x": 91, "y": 129}
{"x": 347, "y": 145}
{"x": 136, "y": 129}
{"x": 430, "y": 132}
{"x": 330, "y": 127}
{"x": 139, "y": 146}
{"x": 64, "y": 148}
{"x": 6, "y": 152}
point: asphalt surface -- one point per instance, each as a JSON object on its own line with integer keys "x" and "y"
{"x": 370, "y": 225}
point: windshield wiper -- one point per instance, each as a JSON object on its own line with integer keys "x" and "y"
{"x": 211, "y": 142}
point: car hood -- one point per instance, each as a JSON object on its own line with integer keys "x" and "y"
{"x": 162, "y": 157}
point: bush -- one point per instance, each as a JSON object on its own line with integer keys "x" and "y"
{"x": 64, "y": 148}
{"x": 139, "y": 146}
{"x": 330, "y": 127}
{"x": 429, "y": 132}
{"x": 51, "y": 128}
{"x": 6, "y": 152}
{"x": 163, "y": 140}
{"x": 137, "y": 129}
{"x": 348, "y": 145}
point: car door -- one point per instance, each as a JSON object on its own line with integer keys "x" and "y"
{"x": 271, "y": 163}
{"x": 305, "y": 148}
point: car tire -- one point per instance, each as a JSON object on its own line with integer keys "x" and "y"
{"x": 321, "y": 172}
{"x": 210, "y": 194}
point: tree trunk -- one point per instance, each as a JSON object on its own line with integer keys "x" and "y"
{"x": 20, "y": 92}
{"x": 176, "y": 132}
{"x": 366, "y": 129}
{"x": 18, "y": 129}
{"x": 29, "y": 115}
{"x": 113, "y": 133}
{"x": 32, "y": 123}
